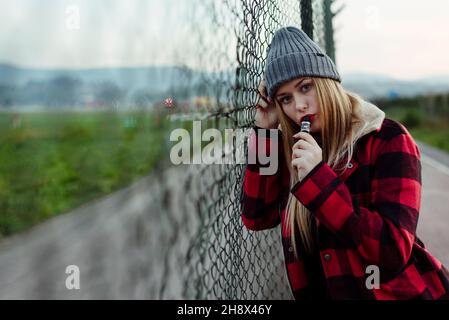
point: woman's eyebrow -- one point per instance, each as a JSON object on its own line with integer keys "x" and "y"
{"x": 296, "y": 85}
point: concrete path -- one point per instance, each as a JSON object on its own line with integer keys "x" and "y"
{"x": 433, "y": 224}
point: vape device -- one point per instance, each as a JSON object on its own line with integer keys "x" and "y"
{"x": 305, "y": 124}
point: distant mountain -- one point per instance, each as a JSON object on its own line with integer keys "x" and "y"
{"x": 127, "y": 85}
{"x": 150, "y": 78}
{"x": 437, "y": 79}
{"x": 378, "y": 85}
{"x": 162, "y": 79}
{"x": 157, "y": 78}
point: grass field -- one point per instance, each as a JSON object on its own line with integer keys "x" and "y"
{"x": 434, "y": 132}
{"x": 54, "y": 161}
{"x": 51, "y": 162}
{"x": 436, "y": 138}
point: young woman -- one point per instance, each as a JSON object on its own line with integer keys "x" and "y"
{"x": 347, "y": 194}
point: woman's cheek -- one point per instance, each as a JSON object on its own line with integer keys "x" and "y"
{"x": 316, "y": 125}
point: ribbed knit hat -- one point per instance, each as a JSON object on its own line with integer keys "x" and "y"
{"x": 293, "y": 54}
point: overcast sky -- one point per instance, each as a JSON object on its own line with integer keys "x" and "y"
{"x": 403, "y": 38}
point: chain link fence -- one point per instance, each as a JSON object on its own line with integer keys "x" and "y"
{"x": 223, "y": 260}
{"x": 177, "y": 234}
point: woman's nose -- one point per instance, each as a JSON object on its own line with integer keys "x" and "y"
{"x": 301, "y": 106}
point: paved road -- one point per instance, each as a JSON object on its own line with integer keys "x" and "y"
{"x": 433, "y": 226}
{"x": 116, "y": 241}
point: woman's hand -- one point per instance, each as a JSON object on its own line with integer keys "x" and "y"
{"x": 306, "y": 154}
{"x": 266, "y": 115}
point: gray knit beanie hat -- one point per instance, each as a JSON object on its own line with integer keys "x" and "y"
{"x": 293, "y": 54}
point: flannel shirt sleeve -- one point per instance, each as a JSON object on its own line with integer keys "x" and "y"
{"x": 261, "y": 192}
{"x": 384, "y": 232}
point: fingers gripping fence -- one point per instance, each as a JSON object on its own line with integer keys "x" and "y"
{"x": 218, "y": 257}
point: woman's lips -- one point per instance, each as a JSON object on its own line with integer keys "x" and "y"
{"x": 311, "y": 116}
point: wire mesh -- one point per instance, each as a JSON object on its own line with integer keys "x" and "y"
{"x": 223, "y": 260}
{"x": 176, "y": 233}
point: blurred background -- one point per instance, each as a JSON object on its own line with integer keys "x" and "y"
{"x": 91, "y": 90}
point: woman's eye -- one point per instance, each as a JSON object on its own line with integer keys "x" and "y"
{"x": 306, "y": 87}
{"x": 285, "y": 100}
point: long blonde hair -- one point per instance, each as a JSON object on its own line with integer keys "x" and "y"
{"x": 337, "y": 118}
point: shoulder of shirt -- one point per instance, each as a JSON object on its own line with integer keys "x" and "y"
{"x": 389, "y": 130}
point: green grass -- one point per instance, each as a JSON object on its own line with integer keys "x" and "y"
{"x": 437, "y": 138}
{"x": 56, "y": 161}
{"x": 434, "y": 131}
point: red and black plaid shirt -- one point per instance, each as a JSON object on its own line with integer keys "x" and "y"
{"x": 367, "y": 216}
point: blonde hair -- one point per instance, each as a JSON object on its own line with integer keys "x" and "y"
{"x": 337, "y": 118}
